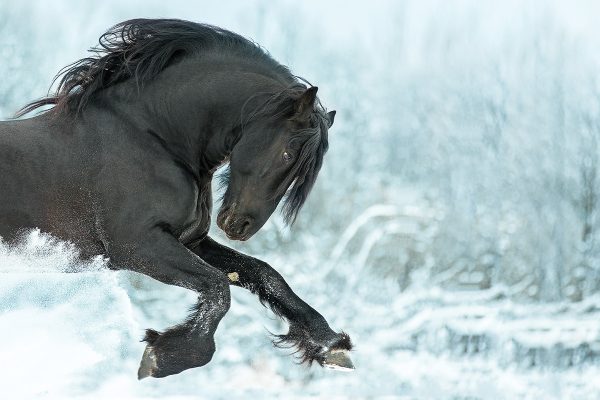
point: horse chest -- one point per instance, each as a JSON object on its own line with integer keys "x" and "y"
{"x": 198, "y": 222}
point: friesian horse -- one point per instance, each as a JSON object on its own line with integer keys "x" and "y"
{"x": 121, "y": 164}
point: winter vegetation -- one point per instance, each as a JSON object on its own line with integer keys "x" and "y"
{"x": 454, "y": 230}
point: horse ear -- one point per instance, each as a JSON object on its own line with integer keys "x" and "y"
{"x": 331, "y": 117}
{"x": 306, "y": 103}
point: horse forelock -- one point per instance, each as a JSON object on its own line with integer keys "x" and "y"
{"x": 303, "y": 175}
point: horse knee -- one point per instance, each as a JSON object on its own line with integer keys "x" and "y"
{"x": 223, "y": 296}
{"x": 215, "y": 294}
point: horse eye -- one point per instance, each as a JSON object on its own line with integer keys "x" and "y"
{"x": 287, "y": 157}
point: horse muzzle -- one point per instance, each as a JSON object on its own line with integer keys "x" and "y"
{"x": 235, "y": 226}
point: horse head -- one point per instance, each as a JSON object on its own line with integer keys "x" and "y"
{"x": 279, "y": 154}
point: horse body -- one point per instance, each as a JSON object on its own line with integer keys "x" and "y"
{"x": 124, "y": 168}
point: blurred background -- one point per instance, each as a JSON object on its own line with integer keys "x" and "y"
{"x": 453, "y": 231}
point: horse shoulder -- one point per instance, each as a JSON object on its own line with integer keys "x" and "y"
{"x": 137, "y": 194}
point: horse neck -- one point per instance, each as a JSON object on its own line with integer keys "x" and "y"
{"x": 196, "y": 108}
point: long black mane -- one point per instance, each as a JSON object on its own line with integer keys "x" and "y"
{"x": 140, "y": 49}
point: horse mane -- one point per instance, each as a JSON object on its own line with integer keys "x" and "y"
{"x": 303, "y": 174}
{"x": 140, "y": 49}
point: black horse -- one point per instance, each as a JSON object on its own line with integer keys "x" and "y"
{"x": 122, "y": 164}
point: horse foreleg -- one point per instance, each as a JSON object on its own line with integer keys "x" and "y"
{"x": 308, "y": 331}
{"x": 189, "y": 344}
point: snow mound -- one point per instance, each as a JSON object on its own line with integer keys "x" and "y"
{"x": 76, "y": 335}
{"x": 60, "y": 332}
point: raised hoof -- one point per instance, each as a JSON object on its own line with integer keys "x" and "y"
{"x": 148, "y": 364}
{"x": 174, "y": 351}
{"x": 338, "y": 360}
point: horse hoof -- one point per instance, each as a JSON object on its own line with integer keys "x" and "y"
{"x": 338, "y": 360}
{"x": 148, "y": 364}
{"x": 171, "y": 352}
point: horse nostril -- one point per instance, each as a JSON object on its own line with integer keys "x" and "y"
{"x": 244, "y": 227}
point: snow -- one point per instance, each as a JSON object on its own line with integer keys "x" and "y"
{"x": 453, "y": 231}
{"x": 76, "y": 335}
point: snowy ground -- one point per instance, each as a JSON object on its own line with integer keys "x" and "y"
{"x": 75, "y": 335}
